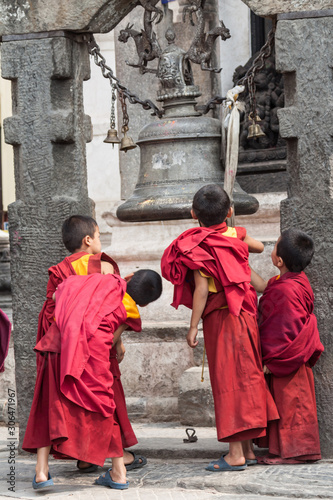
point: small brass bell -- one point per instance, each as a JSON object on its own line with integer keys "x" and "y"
{"x": 127, "y": 142}
{"x": 255, "y": 131}
{"x": 112, "y": 137}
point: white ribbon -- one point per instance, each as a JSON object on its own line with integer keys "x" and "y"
{"x": 230, "y": 136}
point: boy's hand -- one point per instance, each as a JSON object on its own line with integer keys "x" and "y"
{"x": 192, "y": 336}
{"x": 120, "y": 348}
{"x": 267, "y": 371}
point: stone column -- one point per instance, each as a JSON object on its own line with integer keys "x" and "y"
{"x": 49, "y": 131}
{"x": 304, "y": 53}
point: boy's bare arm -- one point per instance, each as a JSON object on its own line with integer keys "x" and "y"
{"x": 120, "y": 348}
{"x": 199, "y": 302}
{"x": 118, "y": 332}
{"x": 255, "y": 246}
{"x": 106, "y": 267}
{"x": 257, "y": 282}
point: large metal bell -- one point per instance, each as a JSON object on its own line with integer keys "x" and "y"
{"x": 179, "y": 155}
{"x": 127, "y": 143}
{"x": 112, "y": 137}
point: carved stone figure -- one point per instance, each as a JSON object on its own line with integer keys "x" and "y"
{"x": 145, "y": 40}
{"x": 200, "y": 51}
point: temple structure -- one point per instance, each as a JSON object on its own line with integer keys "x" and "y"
{"x": 45, "y": 57}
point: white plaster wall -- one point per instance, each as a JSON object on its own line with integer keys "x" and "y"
{"x": 237, "y": 50}
{"x": 102, "y": 159}
{"x": 7, "y": 157}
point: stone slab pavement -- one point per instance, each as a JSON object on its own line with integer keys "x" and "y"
{"x": 175, "y": 471}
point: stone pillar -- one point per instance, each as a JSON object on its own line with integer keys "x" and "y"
{"x": 304, "y": 53}
{"x": 49, "y": 131}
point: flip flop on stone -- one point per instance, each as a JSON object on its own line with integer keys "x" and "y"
{"x": 91, "y": 468}
{"x": 42, "y": 484}
{"x": 223, "y": 466}
{"x": 105, "y": 480}
{"x": 138, "y": 461}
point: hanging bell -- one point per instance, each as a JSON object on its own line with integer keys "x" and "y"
{"x": 112, "y": 137}
{"x": 127, "y": 143}
{"x": 255, "y": 131}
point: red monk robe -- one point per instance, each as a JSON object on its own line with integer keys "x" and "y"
{"x": 5, "y": 329}
{"x": 73, "y": 405}
{"x": 83, "y": 263}
{"x": 243, "y": 404}
{"x": 291, "y": 346}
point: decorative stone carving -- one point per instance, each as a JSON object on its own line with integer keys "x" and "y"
{"x": 98, "y": 16}
{"x": 49, "y": 131}
{"x": 269, "y": 8}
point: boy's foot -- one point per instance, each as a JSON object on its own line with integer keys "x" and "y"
{"x": 42, "y": 484}
{"x": 222, "y": 466}
{"x": 133, "y": 461}
{"x": 270, "y": 460}
{"x": 106, "y": 480}
{"x": 86, "y": 466}
{"x": 251, "y": 461}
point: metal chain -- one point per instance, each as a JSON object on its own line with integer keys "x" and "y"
{"x": 107, "y": 72}
{"x": 248, "y": 78}
{"x": 122, "y": 98}
{"x": 113, "y": 114}
{"x": 257, "y": 65}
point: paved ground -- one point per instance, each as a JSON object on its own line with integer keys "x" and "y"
{"x": 176, "y": 471}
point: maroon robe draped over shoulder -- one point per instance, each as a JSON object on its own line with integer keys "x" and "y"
{"x": 5, "y": 330}
{"x": 291, "y": 346}
{"x": 73, "y": 404}
{"x": 242, "y": 401}
{"x": 57, "y": 274}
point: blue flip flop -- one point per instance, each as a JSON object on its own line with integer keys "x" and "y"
{"x": 85, "y": 470}
{"x": 224, "y": 466}
{"x": 251, "y": 461}
{"x": 105, "y": 480}
{"x": 43, "y": 484}
{"x": 138, "y": 462}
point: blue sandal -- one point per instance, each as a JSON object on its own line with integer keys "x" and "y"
{"x": 105, "y": 480}
{"x": 251, "y": 461}
{"x": 43, "y": 484}
{"x": 224, "y": 466}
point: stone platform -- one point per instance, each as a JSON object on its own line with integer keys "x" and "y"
{"x": 175, "y": 471}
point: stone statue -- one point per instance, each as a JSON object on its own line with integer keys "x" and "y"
{"x": 145, "y": 40}
{"x": 200, "y": 51}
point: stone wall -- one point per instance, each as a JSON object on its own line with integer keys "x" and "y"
{"x": 304, "y": 53}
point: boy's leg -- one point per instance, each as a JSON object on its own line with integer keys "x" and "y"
{"x": 248, "y": 449}
{"x": 235, "y": 455}
{"x": 118, "y": 472}
{"x": 42, "y": 466}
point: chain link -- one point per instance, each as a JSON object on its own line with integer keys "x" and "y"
{"x": 122, "y": 98}
{"x": 113, "y": 113}
{"x": 107, "y": 72}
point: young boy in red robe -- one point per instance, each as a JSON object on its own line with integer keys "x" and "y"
{"x": 210, "y": 272}
{"x": 290, "y": 347}
{"x": 72, "y": 413}
{"x": 81, "y": 237}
